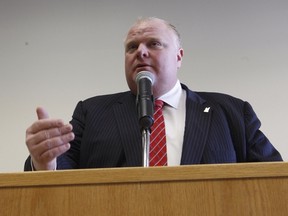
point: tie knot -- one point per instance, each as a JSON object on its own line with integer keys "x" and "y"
{"x": 158, "y": 104}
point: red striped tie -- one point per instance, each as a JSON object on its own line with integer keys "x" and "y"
{"x": 158, "y": 151}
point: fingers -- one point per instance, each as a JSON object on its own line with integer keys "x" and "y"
{"x": 51, "y": 148}
{"x": 42, "y": 113}
{"x": 47, "y": 138}
{"x": 54, "y": 142}
{"x": 44, "y": 124}
{"x": 47, "y": 132}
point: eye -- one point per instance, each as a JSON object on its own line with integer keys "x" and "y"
{"x": 155, "y": 44}
{"x": 131, "y": 47}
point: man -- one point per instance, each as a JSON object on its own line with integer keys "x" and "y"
{"x": 200, "y": 127}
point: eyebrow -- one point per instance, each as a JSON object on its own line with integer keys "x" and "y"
{"x": 146, "y": 39}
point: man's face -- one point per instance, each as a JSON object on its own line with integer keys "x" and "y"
{"x": 152, "y": 46}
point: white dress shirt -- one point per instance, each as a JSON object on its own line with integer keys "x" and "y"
{"x": 174, "y": 113}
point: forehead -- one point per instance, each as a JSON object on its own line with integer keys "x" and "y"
{"x": 149, "y": 28}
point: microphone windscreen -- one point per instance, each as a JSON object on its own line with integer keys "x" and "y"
{"x": 145, "y": 74}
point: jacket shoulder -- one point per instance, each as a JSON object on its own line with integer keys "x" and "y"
{"x": 220, "y": 98}
{"x": 108, "y": 97}
{"x": 104, "y": 103}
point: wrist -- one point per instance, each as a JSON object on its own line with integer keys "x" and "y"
{"x": 50, "y": 166}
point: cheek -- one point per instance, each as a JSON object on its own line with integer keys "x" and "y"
{"x": 129, "y": 76}
{"x": 128, "y": 62}
{"x": 131, "y": 83}
{"x": 128, "y": 66}
{"x": 167, "y": 62}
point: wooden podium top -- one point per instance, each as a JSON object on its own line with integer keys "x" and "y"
{"x": 141, "y": 174}
{"x": 214, "y": 189}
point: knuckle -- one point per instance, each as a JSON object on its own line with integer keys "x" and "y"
{"x": 47, "y": 134}
{"x": 47, "y": 144}
{"x": 59, "y": 131}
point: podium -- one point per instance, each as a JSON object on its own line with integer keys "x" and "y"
{"x": 220, "y": 189}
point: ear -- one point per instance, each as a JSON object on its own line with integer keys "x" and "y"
{"x": 179, "y": 57}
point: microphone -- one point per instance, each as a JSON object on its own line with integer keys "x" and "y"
{"x": 145, "y": 99}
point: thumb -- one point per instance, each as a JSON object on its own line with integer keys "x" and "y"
{"x": 42, "y": 113}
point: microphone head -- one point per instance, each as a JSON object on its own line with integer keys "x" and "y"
{"x": 144, "y": 99}
{"x": 145, "y": 74}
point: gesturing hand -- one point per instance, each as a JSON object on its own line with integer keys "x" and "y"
{"x": 46, "y": 139}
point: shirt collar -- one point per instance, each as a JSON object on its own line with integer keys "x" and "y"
{"x": 173, "y": 96}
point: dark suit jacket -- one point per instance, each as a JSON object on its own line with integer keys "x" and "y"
{"x": 107, "y": 132}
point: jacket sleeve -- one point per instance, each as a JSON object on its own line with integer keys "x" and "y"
{"x": 259, "y": 148}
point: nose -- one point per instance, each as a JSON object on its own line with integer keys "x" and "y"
{"x": 142, "y": 51}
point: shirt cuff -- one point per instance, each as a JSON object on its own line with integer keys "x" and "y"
{"x": 33, "y": 168}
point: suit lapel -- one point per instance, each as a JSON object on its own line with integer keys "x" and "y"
{"x": 198, "y": 118}
{"x": 195, "y": 134}
{"x": 129, "y": 130}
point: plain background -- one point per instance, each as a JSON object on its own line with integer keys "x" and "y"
{"x": 54, "y": 53}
